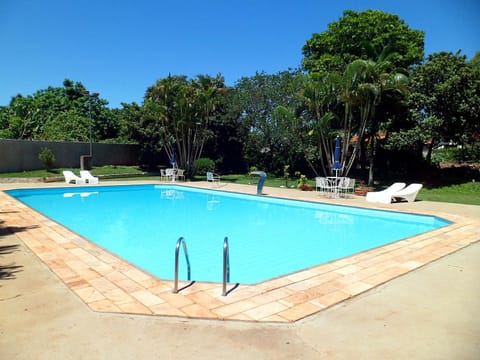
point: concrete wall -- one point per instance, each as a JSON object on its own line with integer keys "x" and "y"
{"x": 22, "y": 155}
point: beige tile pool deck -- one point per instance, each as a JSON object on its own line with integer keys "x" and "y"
{"x": 108, "y": 284}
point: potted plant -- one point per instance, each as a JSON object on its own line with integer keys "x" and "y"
{"x": 362, "y": 189}
{"x": 302, "y": 182}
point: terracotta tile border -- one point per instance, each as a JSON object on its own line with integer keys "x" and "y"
{"x": 108, "y": 284}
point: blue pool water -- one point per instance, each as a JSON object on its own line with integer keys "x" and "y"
{"x": 268, "y": 237}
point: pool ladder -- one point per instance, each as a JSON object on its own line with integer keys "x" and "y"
{"x": 180, "y": 241}
{"x": 226, "y": 264}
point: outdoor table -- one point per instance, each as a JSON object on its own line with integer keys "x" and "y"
{"x": 334, "y": 181}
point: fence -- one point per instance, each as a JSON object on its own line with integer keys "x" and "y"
{"x": 22, "y": 155}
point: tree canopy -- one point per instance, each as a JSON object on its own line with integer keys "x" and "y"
{"x": 362, "y": 35}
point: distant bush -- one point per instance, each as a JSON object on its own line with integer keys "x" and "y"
{"x": 202, "y": 165}
{"x": 469, "y": 153}
{"x": 465, "y": 154}
{"x": 47, "y": 158}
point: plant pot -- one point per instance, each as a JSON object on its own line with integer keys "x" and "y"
{"x": 362, "y": 191}
{"x": 306, "y": 187}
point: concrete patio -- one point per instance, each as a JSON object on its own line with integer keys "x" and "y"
{"x": 428, "y": 313}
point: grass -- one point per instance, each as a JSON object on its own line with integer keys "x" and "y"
{"x": 466, "y": 193}
{"x": 103, "y": 170}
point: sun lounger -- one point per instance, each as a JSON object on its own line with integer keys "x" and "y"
{"x": 89, "y": 178}
{"x": 409, "y": 193}
{"x": 385, "y": 196}
{"x": 71, "y": 177}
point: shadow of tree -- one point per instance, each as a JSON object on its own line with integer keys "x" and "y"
{"x": 7, "y": 272}
{"x": 9, "y": 230}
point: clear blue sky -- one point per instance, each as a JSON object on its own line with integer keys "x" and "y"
{"x": 121, "y": 47}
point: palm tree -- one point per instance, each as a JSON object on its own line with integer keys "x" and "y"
{"x": 320, "y": 94}
{"x": 366, "y": 81}
{"x": 182, "y": 112}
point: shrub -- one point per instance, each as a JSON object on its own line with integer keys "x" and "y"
{"x": 202, "y": 165}
{"x": 47, "y": 158}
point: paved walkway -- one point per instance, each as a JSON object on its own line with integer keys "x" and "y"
{"x": 434, "y": 303}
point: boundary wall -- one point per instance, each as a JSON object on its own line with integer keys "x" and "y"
{"x": 22, "y": 155}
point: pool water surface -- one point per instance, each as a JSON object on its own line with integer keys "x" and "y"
{"x": 268, "y": 237}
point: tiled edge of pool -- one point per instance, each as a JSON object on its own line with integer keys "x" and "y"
{"x": 108, "y": 284}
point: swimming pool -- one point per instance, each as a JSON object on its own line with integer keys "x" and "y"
{"x": 268, "y": 237}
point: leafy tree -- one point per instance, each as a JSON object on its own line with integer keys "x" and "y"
{"x": 268, "y": 105}
{"x": 180, "y": 111}
{"x": 371, "y": 81}
{"x": 57, "y": 113}
{"x": 229, "y": 132}
{"x": 47, "y": 158}
{"x": 445, "y": 88}
{"x": 320, "y": 95}
{"x": 345, "y": 41}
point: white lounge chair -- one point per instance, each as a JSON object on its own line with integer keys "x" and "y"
{"x": 71, "y": 177}
{"x": 89, "y": 178}
{"x": 213, "y": 178}
{"x": 409, "y": 193}
{"x": 385, "y": 196}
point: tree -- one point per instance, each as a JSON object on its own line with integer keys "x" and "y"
{"x": 57, "y": 113}
{"x": 446, "y": 88}
{"x": 368, "y": 82}
{"x": 364, "y": 86}
{"x": 179, "y": 112}
{"x": 268, "y": 105}
{"x": 320, "y": 94}
{"x": 344, "y": 41}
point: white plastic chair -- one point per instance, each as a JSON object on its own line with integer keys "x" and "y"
{"x": 346, "y": 186}
{"x": 409, "y": 193}
{"x": 70, "y": 176}
{"x": 324, "y": 185}
{"x": 180, "y": 174}
{"x": 213, "y": 178}
{"x": 88, "y": 178}
{"x": 170, "y": 174}
{"x": 163, "y": 175}
{"x": 384, "y": 196}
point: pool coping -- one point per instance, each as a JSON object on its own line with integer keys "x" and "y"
{"x": 108, "y": 284}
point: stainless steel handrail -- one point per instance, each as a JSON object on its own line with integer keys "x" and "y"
{"x": 180, "y": 241}
{"x": 226, "y": 266}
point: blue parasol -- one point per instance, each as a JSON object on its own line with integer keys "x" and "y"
{"x": 337, "y": 165}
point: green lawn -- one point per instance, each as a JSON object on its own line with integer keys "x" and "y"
{"x": 466, "y": 193}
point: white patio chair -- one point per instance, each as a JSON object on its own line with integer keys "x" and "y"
{"x": 346, "y": 186}
{"x": 325, "y": 186}
{"x": 88, "y": 178}
{"x": 170, "y": 174}
{"x": 70, "y": 176}
{"x": 163, "y": 175}
{"x": 180, "y": 174}
{"x": 409, "y": 193}
{"x": 384, "y": 196}
{"x": 213, "y": 178}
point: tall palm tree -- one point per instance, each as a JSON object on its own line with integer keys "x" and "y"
{"x": 320, "y": 94}
{"x": 366, "y": 81}
{"x": 182, "y": 112}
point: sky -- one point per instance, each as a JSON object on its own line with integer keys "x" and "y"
{"x": 119, "y": 48}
